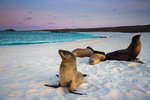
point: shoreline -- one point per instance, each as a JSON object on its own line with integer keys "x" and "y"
{"x": 95, "y": 35}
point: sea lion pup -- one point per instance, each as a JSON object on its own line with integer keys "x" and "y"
{"x": 128, "y": 54}
{"x": 83, "y": 52}
{"x": 96, "y": 58}
{"x": 68, "y": 74}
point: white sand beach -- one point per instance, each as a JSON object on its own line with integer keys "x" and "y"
{"x": 25, "y": 69}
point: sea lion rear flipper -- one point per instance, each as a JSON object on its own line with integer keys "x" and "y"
{"x": 77, "y": 93}
{"x": 84, "y": 75}
{"x": 141, "y": 62}
{"x": 54, "y": 86}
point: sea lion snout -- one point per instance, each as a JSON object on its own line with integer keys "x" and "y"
{"x": 136, "y": 37}
{"x": 91, "y": 62}
{"x": 66, "y": 54}
{"x": 89, "y": 48}
{"x": 61, "y": 52}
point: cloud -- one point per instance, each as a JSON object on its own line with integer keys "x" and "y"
{"x": 27, "y": 18}
{"x": 55, "y": 17}
{"x": 114, "y": 9}
{"x": 6, "y": 6}
{"x": 85, "y": 15}
{"x": 52, "y": 16}
{"x": 50, "y": 23}
{"x": 138, "y": 5}
{"x": 30, "y": 12}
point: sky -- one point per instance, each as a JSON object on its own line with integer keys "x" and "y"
{"x": 56, "y": 14}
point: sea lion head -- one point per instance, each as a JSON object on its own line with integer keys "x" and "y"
{"x": 89, "y": 48}
{"x": 136, "y": 38}
{"x": 91, "y": 62}
{"x": 66, "y": 55}
{"x": 96, "y": 58}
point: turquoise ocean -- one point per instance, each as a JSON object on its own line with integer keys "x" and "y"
{"x": 41, "y": 37}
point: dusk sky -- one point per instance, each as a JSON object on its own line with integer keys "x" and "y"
{"x": 52, "y": 14}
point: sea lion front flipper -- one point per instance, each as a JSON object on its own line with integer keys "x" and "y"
{"x": 138, "y": 61}
{"x": 84, "y": 75}
{"x": 141, "y": 62}
{"x": 57, "y": 75}
{"x": 54, "y": 86}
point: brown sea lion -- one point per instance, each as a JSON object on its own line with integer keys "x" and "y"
{"x": 128, "y": 54}
{"x": 68, "y": 74}
{"x": 96, "y": 58}
{"x": 83, "y": 52}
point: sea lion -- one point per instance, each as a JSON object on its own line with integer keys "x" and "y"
{"x": 96, "y": 58}
{"x": 128, "y": 54}
{"x": 83, "y": 52}
{"x": 68, "y": 74}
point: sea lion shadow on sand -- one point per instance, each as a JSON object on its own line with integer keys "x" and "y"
{"x": 128, "y": 54}
{"x": 69, "y": 76}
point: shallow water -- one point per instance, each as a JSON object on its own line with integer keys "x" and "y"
{"x": 24, "y": 38}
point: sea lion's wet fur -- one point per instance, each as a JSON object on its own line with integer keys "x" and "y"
{"x": 128, "y": 54}
{"x": 96, "y": 58}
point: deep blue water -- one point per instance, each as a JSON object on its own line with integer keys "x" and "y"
{"x": 24, "y": 38}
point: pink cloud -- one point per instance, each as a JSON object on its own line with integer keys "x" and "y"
{"x": 27, "y": 18}
{"x": 50, "y": 23}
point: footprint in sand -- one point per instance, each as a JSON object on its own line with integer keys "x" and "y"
{"x": 133, "y": 64}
